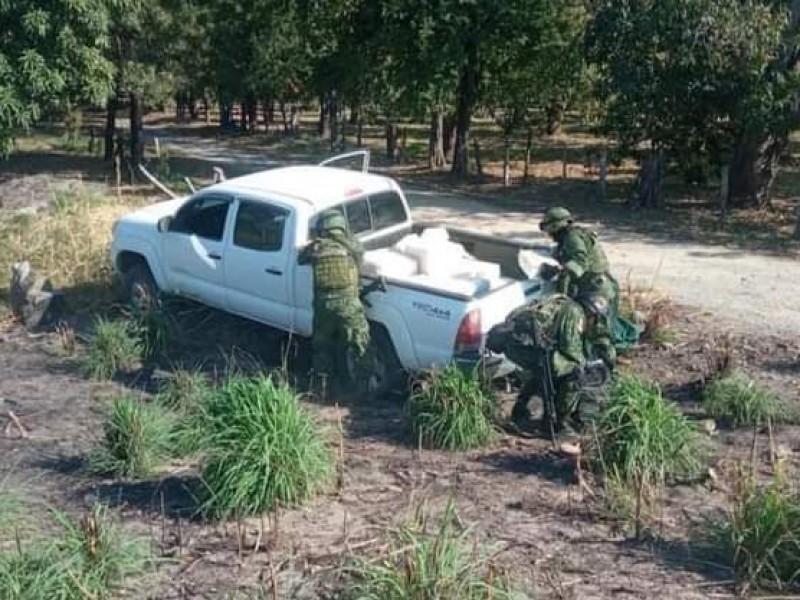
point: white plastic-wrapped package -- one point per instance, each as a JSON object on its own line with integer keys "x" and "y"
{"x": 389, "y": 263}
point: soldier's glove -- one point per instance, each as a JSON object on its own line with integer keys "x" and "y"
{"x": 548, "y": 271}
{"x": 578, "y": 376}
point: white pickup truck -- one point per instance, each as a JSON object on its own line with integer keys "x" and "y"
{"x": 234, "y": 246}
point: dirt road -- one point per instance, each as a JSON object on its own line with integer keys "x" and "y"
{"x": 751, "y": 292}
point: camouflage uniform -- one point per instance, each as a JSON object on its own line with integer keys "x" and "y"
{"x": 340, "y": 325}
{"x": 584, "y": 266}
{"x": 563, "y": 324}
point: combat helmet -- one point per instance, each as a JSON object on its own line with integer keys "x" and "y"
{"x": 594, "y": 304}
{"x": 556, "y": 218}
{"x": 330, "y": 220}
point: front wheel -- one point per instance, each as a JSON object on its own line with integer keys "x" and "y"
{"x": 141, "y": 290}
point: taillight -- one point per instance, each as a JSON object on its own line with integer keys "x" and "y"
{"x": 469, "y": 336}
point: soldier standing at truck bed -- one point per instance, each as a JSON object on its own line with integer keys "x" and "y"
{"x": 340, "y": 324}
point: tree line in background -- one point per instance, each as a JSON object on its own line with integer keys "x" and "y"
{"x": 699, "y": 84}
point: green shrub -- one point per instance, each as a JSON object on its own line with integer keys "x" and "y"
{"x": 113, "y": 347}
{"x": 430, "y": 562}
{"x": 741, "y": 401}
{"x": 137, "y": 438}
{"x": 760, "y": 534}
{"x": 186, "y": 394}
{"x": 89, "y": 558}
{"x": 262, "y": 449}
{"x": 452, "y": 411}
{"x": 645, "y": 439}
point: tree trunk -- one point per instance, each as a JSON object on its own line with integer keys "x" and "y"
{"x": 391, "y": 141}
{"x": 436, "y": 158}
{"x": 554, "y": 113}
{"x": 284, "y": 118}
{"x": 324, "y": 117}
{"x": 225, "y": 115}
{"x": 192, "y": 109}
{"x": 265, "y": 113}
{"x": 294, "y": 120}
{"x": 136, "y": 145}
{"x": 507, "y": 159}
{"x": 449, "y": 137}
{"x": 467, "y": 96}
{"x": 206, "y": 109}
{"x": 528, "y": 148}
{"x": 478, "y": 164}
{"x": 649, "y": 187}
{"x": 360, "y": 131}
{"x": 252, "y": 112}
{"x": 355, "y": 114}
{"x": 111, "y": 128}
{"x": 333, "y": 109}
{"x": 796, "y": 232}
{"x": 753, "y": 169}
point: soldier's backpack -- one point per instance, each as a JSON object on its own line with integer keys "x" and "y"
{"x": 527, "y": 332}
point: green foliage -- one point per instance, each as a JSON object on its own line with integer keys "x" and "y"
{"x": 452, "y": 411}
{"x": 644, "y": 439}
{"x": 137, "y": 438}
{"x": 689, "y": 75}
{"x": 430, "y": 561}
{"x": 760, "y": 533}
{"x": 262, "y": 449}
{"x": 741, "y": 401}
{"x": 89, "y": 558}
{"x": 186, "y": 394}
{"x": 52, "y": 56}
{"x": 114, "y": 346}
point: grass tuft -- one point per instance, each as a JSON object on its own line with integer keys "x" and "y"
{"x": 760, "y": 533}
{"x": 429, "y": 561}
{"x": 262, "y": 449}
{"x": 741, "y": 401}
{"x": 645, "y": 439}
{"x": 137, "y": 438}
{"x": 452, "y": 411}
{"x": 90, "y": 558}
{"x": 186, "y": 395}
{"x": 114, "y": 346}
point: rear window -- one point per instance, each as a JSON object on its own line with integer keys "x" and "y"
{"x": 371, "y": 213}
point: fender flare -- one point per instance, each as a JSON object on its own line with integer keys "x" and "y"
{"x": 143, "y": 248}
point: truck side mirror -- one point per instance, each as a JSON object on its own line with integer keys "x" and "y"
{"x": 164, "y": 223}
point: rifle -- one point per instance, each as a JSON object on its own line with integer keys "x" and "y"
{"x": 548, "y": 387}
{"x": 377, "y": 285}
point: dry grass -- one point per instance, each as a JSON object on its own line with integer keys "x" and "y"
{"x": 652, "y": 310}
{"x": 68, "y": 242}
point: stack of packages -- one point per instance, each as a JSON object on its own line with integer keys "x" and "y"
{"x": 431, "y": 259}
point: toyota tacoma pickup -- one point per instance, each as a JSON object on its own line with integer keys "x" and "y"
{"x": 234, "y": 246}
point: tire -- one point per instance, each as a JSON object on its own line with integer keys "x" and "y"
{"x": 141, "y": 290}
{"x": 388, "y": 375}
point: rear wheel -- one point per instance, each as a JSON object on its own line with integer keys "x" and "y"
{"x": 386, "y": 375}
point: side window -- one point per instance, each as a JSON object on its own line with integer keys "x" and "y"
{"x": 358, "y": 218}
{"x": 203, "y": 217}
{"x": 387, "y": 210}
{"x": 259, "y": 226}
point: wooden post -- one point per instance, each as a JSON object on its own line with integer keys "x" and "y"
{"x": 603, "y": 172}
{"x": 724, "y": 192}
{"x": 157, "y": 147}
{"x": 563, "y": 163}
{"x": 528, "y": 148}
{"x": 507, "y": 162}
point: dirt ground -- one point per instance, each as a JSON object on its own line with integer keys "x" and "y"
{"x": 519, "y": 495}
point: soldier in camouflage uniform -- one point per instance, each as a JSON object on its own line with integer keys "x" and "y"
{"x": 583, "y": 266}
{"x": 571, "y": 332}
{"x": 340, "y": 325}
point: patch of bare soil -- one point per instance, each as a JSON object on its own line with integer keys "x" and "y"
{"x": 34, "y": 192}
{"x": 519, "y": 494}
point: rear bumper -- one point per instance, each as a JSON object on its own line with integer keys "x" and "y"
{"x": 494, "y": 365}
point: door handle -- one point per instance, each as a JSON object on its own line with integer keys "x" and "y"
{"x": 214, "y": 256}
{"x": 273, "y": 271}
